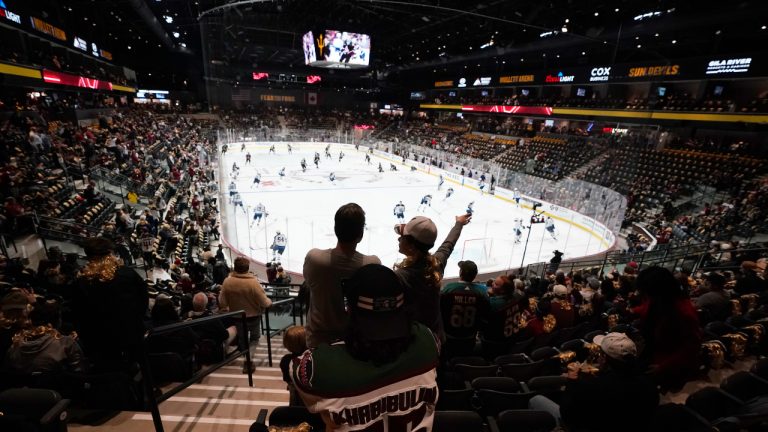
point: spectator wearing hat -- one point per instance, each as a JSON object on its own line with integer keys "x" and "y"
{"x": 464, "y": 305}
{"x": 624, "y": 395}
{"x": 716, "y": 301}
{"x": 421, "y": 272}
{"x": 670, "y": 327}
{"x": 324, "y": 273}
{"x": 110, "y": 303}
{"x": 364, "y": 382}
{"x": 562, "y": 308}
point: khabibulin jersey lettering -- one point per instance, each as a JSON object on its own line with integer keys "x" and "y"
{"x": 352, "y": 395}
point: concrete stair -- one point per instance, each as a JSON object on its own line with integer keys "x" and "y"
{"x": 222, "y": 401}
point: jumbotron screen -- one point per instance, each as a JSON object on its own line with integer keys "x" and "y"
{"x": 337, "y": 49}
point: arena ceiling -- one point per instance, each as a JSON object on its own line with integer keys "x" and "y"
{"x": 438, "y": 36}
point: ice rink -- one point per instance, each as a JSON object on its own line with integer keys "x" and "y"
{"x": 301, "y": 205}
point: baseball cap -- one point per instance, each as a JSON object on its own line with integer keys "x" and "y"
{"x": 376, "y": 297}
{"x": 422, "y": 229}
{"x": 468, "y": 268}
{"x": 616, "y": 345}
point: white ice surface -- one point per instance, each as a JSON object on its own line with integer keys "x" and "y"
{"x": 302, "y": 206}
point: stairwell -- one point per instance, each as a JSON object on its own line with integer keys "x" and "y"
{"x": 580, "y": 171}
{"x": 221, "y": 401}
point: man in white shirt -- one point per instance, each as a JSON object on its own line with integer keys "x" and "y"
{"x": 326, "y": 269}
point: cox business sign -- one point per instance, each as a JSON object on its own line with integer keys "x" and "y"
{"x": 726, "y": 66}
{"x": 600, "y": 74}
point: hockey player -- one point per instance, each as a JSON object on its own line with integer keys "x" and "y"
{"x": 516, "y": 197}
{"x": 242, "y": 147}
{"x": 549, "y": 225}
{"x": 341, "y": 155}
{"x": 317, "y": 160}
{"x": 282, "y": 173}
{"x": 392, "y": 167}
{"x": 248, "y": 158}
{"x": 272, "y": 149}
{"x": 278, "y": 245}
{"x": 399, "y": 212}
{"x": 238, "y": 202}
{"x": 232, "y": 190}
{"x": 440, "y": 182}
{"x": 470, "y": 210}
{"x": 381, "y": 169}
{"x": 518, "y": 230}
{"x": 328, "y": 151}
{"x": 256, "y": 180}
{"x": 448, "y": 193}
{"x": 332, "y": 177}
{"x": 259, "y": 212}
{"x": 303, "y": 165}
{"x": 481, "y": 186}
{"x": 224, "y": 149}
{"x": 426, "y": 200}
{"x": 290, "y": 149}
{"x": 368, "y": 158}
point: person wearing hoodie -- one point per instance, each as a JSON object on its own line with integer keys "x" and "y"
{"x": 43, "y": 349}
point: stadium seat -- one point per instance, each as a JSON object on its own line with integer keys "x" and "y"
{"x": 678, "y": 418}
{"x": 490, "y": 402}
{"x": 34, "y": 410}
{"x": 713, "y": 403}
{"x": 512, "y": 358}
{"x": 501, "y": 384}
{"x": 455, "y": 400}
{"x": 469, "y": 372}
{"x": 457, "y": 421}
{"x": 745, "y": 385}
{"x": 524, "y": 420}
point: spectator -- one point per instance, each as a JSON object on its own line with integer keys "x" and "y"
{"x": 14, "y": 318}
{"x": 390, "y": 354}
{"x": 271, "y": 272}
{"x": 554, "y": 263}
{"x": 616, "y": 394}
{"x": 464, "y": 304}
{"x": 750, "y": 282}
{"x": 109, "y": 305}
{"x": 42, "y": 349}
{"x": 670, "y": 328}
{"x": 324, "y": 271}
{"x": 242, "y": 291}
{"x": 213, "y": 330}
{"x": 295, "y": 341}
{"x": 282, "y": 278}
{"x": 716, "y": 301}
{"x": 506, "y": 309}
{"x": 421, "y": 272}
{"x": 182, "y": 341}
{"x": 561, "y": 307}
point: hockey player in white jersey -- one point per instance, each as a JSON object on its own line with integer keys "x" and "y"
{"x": 303, "y": 165}
{"x": 516, "y": 197}
{"x": 237, "y": 200}
{"x": 278, "y": 245}
{"x": 232, "y": 190}
{"x": 332, "y": 177}
{"x": 440, "y": 183}
{"x": 481, "y": 186}
{"x": 470, "y": 210}
{"x": 259, "y": 212}
{"x": 399, "y": 212}
{"x": 426, "y": 200}
{"x": 282, "y": 172}
{"x": 448, "y": 193}
{"x": 549, "y": 225}
{"x": 518, "y": 230}
{"x": 256, "y": 180}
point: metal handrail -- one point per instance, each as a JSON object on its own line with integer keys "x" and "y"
{"x": 146, "y": 371}
{"x": 273, "y": 332}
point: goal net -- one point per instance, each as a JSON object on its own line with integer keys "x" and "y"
{"x": 479, "y": 250}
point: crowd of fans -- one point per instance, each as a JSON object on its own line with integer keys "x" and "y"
{"x": 401, "y": 329}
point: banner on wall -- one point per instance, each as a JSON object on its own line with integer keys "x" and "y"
{"x": 311, "y": 98}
